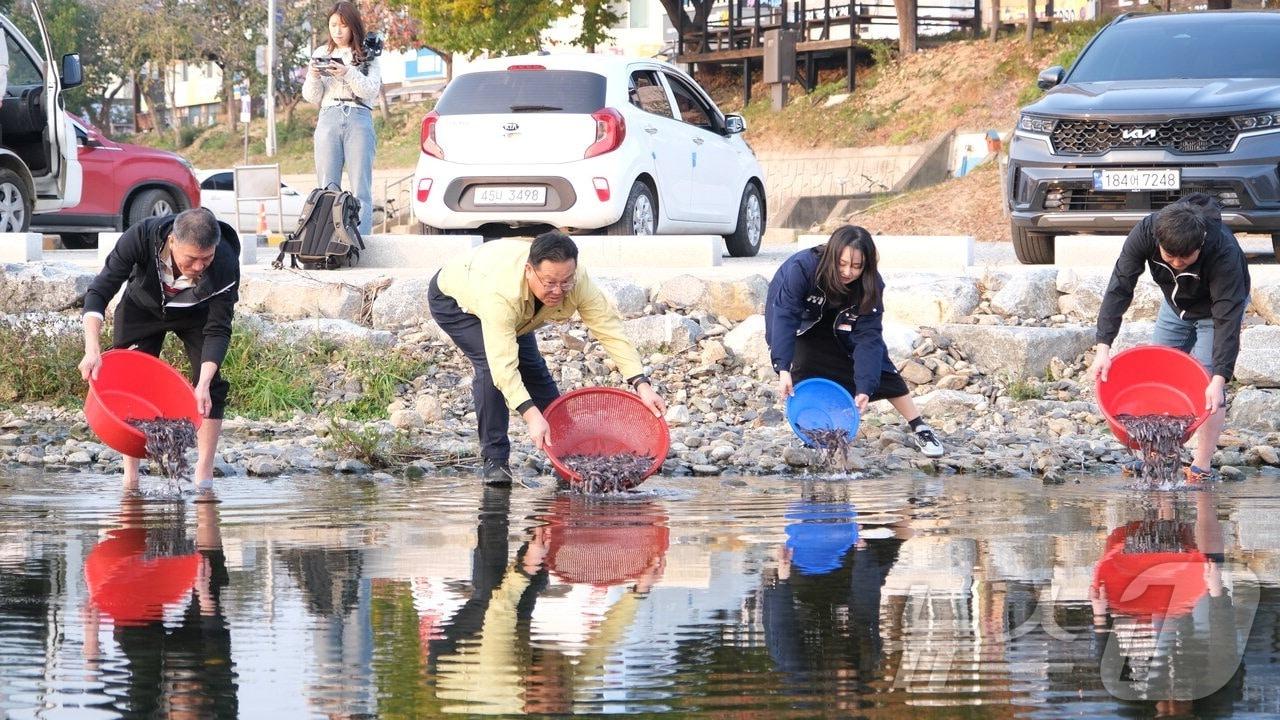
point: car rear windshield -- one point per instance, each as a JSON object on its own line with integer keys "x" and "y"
{"x": 1183, "y": 47}
{"x": 507, "y": 91}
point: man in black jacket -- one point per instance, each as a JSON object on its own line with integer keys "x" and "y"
{"x": 183, "y": 276}
{"x": 1204, "y": 277}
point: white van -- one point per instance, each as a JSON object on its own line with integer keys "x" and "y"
{"x": 39, "y": 164}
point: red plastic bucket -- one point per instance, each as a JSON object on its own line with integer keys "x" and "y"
{"x": 1153, "y": 380}
{"x": 604, "y": 421}
{"x": 133, "y": 385}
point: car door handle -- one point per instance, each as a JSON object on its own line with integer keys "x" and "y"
{"x": 698, "y": 141}
{"x": 651, "y": 129}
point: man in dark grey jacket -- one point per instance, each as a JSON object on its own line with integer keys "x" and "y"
{"x": 1204, "y": 277}
{"x": 182, "y": 275}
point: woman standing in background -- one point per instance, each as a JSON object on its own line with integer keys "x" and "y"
{"x": 345, "y": 80}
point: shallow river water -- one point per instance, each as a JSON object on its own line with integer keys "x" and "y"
{"x": 911, "y": 597}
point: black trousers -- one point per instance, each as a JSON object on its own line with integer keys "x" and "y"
{"x": 492, "y": 417}
{"x": 141, "y": 329}
{"x": 819, "y": 354}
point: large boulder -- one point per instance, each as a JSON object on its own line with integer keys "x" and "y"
{"x": 682, "y": 291}
{"x": 747, "y": 342}
{"x": 1033, "y": 294}
{"x": 626, "y": 297}
{"x": 900, "y": 339}
{"x": 1255, "y": 409}
{"x": 734, "y": 300}
{"x": 1266, "y": 301}
{"x": 402, "y": 304}
{"x": 666, "y": 333}
{"x": 949, "y": 403}
{"x": 285, "y": 296}
{"x": 1133, "y": 334}
{"x": 1082, "y": 296}
{"x": 1258, "y": 362}
{"x": 1026, "y": 351}
{"x": 341, "y": 332}
{"x": 40, "y": 287}
{"x": 930, "y": 300}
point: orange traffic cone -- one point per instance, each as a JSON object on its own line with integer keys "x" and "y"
{"x": 262, "y": 219}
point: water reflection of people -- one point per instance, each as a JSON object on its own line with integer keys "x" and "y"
{"x": 821, "y": 605}
{"x": 181, "y": 668}
{"x": 1162, "y": 607}
{"x": 502, "y": 651}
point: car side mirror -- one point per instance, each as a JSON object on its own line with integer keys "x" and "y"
{"x": 734, "y": 124}
{"x": 1051, "y": 77}
{"x": 72, "y": 74}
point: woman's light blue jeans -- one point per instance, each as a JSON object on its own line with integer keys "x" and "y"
{"x": 344, "y": 136}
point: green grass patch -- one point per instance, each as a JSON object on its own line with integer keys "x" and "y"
{"x": 270, "y": 378}
{"x": 215, "y": 147}
{"x": 1023, "y": 389}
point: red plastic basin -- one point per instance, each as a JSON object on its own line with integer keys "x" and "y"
{"x": 1153, "y": 380}
{"x": 604, "y": 421}
{"x": 133, "y": 385}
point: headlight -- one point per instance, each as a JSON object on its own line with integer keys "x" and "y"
{"x": 1257, "y": 122}
{"x": 1036, "y": 124}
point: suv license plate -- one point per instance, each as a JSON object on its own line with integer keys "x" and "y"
{"x": 1138, "y": 180}
{"x": 494, "y": 195}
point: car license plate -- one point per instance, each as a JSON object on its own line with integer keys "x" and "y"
{"x": 496, "y": 195}
{"x": 1138, "y": 180}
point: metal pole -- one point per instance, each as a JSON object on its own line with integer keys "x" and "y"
{"x": 271, "y": 78}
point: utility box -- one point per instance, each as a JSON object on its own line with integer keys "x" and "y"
{"x": 780, "y": 55}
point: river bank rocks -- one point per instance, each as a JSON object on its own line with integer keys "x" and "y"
{"x": 998, "y": 370}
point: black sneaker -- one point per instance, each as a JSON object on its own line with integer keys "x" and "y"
{"x": 496, "y": 474}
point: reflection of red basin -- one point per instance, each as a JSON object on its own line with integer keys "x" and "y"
{"x": 1153, "y": 380}
{"x": 1150, "y": 584}
{"x": 131, "y": 588}
{"x": 603, "y": 543}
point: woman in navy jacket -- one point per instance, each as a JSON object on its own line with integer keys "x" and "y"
{"x": 824, "y": 318}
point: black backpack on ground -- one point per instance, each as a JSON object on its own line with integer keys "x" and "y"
{"x": 328, "y": 234}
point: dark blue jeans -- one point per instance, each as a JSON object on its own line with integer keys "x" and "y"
{"x": 492, "y": 416}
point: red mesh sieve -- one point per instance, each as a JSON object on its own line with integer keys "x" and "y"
{"x": 603, "y": 543}
{"x": 604, "y": 421}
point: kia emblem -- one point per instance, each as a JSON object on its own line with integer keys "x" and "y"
{"x": 511, "y": 127}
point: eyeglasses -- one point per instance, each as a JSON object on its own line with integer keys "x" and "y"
{"x": 565, "y": 286}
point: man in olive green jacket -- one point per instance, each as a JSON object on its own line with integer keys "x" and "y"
{"x": 490, "y": 301}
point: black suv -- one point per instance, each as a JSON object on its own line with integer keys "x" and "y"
{"x": 1156, "y": 106}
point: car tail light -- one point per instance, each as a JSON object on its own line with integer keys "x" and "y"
{"x": 610, "y": 130}
{"x": 526, "y": 67}
{"x": 428, "y": 138}
{"x": 424, "y": 189}
{"x": 602, "y": 188}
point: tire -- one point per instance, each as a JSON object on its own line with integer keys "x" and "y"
{"x": 746, "y": 238}
{"x": 1275, "y": 245}
{"x": 15, "y": 203}
{"x": 79, "y": 241}
{"x": 639, "y": 216}
{"x": 152, "y": 203}
{"x": 1032, "y": 248}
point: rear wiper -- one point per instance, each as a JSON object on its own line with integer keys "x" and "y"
{"x": 534, "y": 108}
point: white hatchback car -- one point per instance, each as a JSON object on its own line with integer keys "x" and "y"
{"x": 599, "y": 143}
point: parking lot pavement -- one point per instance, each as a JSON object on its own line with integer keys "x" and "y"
{"x": 986, "y": 256}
